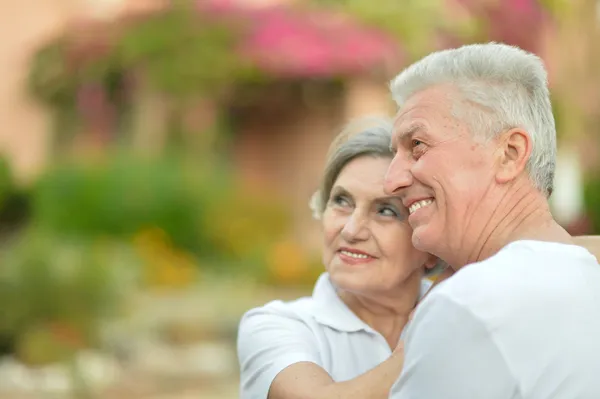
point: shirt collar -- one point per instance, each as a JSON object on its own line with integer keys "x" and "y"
{"x": 331, "y": 311}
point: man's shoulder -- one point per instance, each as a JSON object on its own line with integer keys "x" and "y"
{"x": 520, "y": 272}
{"x": 484, "y": 278}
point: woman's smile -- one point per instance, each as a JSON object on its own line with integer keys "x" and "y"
{"x": 354, "y": 256}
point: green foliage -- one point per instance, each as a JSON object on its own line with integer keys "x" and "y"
{"x": 592, "y": 201}
{"x": 7, "y": 184}
{"x": 177, "y": 51}
{"x": 415, "y": 23}
{"x": 242, "y": 222}
{"x": 119, "y": 199}
{"x": 557, "y": 7}
{"x": 48, "y": 283}
{"x": 50, "y": 79}
{"x": 180, "y": 52}
{"x": 205, "y": 215}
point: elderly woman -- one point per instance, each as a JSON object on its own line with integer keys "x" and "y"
{"x": 341, "y": 341}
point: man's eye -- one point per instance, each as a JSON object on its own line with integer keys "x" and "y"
{"x": 416, "y": 143}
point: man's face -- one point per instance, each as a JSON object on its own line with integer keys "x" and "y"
{"x": 441, "y": 172}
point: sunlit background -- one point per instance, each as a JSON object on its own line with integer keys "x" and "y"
{"x": 158, "y": 158}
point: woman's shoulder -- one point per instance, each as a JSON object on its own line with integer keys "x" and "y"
{"x": 277, "y": 325}
{"x": 300, "y": 309}
{"x": 281, "y": 311}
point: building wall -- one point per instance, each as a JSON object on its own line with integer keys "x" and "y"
{"x": 285, "y": 149}
{"x": 24, "y": 25}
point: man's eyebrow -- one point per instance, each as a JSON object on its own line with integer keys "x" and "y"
{"x": 406, "y": 133}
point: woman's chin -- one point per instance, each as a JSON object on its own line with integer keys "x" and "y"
{"x": 370, "y": 281}
{"x": 351, "y": 280}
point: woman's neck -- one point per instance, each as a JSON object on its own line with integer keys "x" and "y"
{"x": 386, "y": 313}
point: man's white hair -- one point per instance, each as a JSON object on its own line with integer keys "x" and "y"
{"x": 501, "y": 87}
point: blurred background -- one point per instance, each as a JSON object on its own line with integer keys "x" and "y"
{"x": 157, "y": 159}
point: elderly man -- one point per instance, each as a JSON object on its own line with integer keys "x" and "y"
{"x": 475, "y": 147}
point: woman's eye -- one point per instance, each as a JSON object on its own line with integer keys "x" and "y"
{"x": 388, "y": 211}
{"x": 340, "y": 200}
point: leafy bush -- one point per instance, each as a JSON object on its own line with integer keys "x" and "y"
{"x": 14, "y": 202}
{"x": 592, "y": 201}
{"x": 120, "y": 199}
{"x": 167, "y": 51}
{"x": 162, "y": 204}
{"x": 7, "y": 185}
{"x": 242, "y": 223}
{"x": 54, "y": 293}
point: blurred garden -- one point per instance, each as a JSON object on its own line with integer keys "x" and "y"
{"x": 185, "y": 142}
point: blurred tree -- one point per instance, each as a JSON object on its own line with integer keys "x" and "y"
{"x": 89, "y": 76}
{"x": 14, "y": 202}
{"x": 517, "y": 22}
{"x": 592, "y": 197}
{"x": 55, "y": 292}
{"x": 573, "y": 60}
{"x": 419, "y": 25}
{"x": 120, "y": 198}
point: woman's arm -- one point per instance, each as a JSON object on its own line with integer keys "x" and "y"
{"x": 307, "y": 380}
{"x": 280, "y": 359}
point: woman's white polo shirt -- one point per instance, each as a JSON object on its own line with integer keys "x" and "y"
{"x": 320, "y": 329}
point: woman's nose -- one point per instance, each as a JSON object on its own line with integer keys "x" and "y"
{"x": 356, "y": 228}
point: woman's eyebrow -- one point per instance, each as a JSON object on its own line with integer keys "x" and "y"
{"x": 338, "y": 188}
{"x": 389, "y": 198}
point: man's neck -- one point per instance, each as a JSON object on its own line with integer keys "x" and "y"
{"x": 523, "y": 214}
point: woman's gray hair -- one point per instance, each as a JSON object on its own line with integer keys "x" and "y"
{"x": 367, "y": 136}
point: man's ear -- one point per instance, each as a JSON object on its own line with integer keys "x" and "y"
{"x": 515, "y": 146}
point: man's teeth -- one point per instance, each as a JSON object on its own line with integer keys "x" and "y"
{"x": 354, "y": 255}
{"x": 419, "y": 204}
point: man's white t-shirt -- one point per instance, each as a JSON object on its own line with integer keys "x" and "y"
{"x": 523, "y": 324}
{"x": 320, "y": 329}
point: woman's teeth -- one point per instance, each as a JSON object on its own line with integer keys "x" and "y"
{"x": 419, "y": 204}
{"x": 354, "y": 255}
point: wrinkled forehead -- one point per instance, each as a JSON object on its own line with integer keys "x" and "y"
{"x": 433, "y": 112}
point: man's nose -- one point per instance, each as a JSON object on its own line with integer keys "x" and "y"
{"x": 398, "y": 175}
{"x": 356, "y": 228}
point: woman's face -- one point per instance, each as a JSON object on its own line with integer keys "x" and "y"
{"x": 368, "y": 246}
